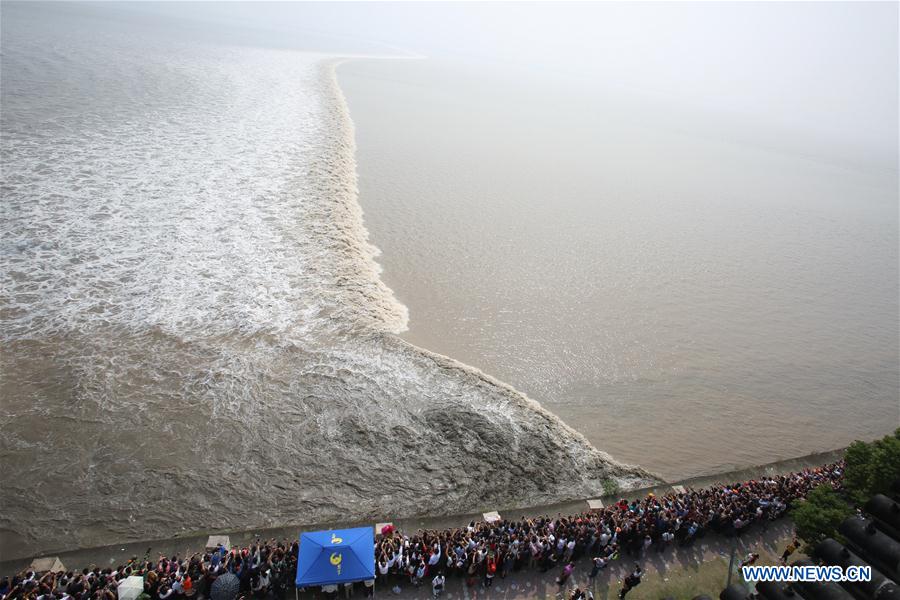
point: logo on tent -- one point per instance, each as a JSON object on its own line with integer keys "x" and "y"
{"x": 335, "y": 556}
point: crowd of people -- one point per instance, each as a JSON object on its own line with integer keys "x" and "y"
{"x": 264, "y": 568}
{"x": 477, "y": 553}
{"x": 482, "y": 551}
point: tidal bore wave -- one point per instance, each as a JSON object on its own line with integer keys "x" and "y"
{"x": 195, "y": 332}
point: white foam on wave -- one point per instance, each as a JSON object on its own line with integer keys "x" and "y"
{"x": 201, "y": 218}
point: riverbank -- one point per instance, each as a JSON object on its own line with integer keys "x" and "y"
{"x": 190, "y": 542}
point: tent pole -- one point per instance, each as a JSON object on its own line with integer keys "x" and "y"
{"x": 296, "y": 593}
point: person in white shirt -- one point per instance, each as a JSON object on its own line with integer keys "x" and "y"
{"x": 420, "y": 573}
{"x": 435, "y": 557}
{"x": 570, "y": 549}
{"x": 600, "y": 562}
{"x": 604, "y": 539}
{"x": 262, "y": 583}
{"x": 437, "y": 585}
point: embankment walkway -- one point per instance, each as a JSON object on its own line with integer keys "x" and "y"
{"x": 114, "y": 555}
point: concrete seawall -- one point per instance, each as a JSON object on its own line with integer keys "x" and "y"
{"x": 194, "y": 541}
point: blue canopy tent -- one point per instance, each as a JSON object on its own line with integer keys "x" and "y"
{"x": 338, "y": 556}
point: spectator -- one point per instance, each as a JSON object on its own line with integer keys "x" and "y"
{"x": 632, "y": 580}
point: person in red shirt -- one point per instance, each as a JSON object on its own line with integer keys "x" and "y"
{"x": 490, "y": 569}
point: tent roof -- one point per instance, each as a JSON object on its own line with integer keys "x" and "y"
{"x": 338, "y": 556}
{"x": 47, "y": 563}
{"x": 130, "y": 587}
{"x": 132, "y": 581}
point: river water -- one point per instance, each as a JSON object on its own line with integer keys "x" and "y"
{"x": 692, "y": 293}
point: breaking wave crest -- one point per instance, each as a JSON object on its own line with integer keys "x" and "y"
{"x": 195, "y": 332}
